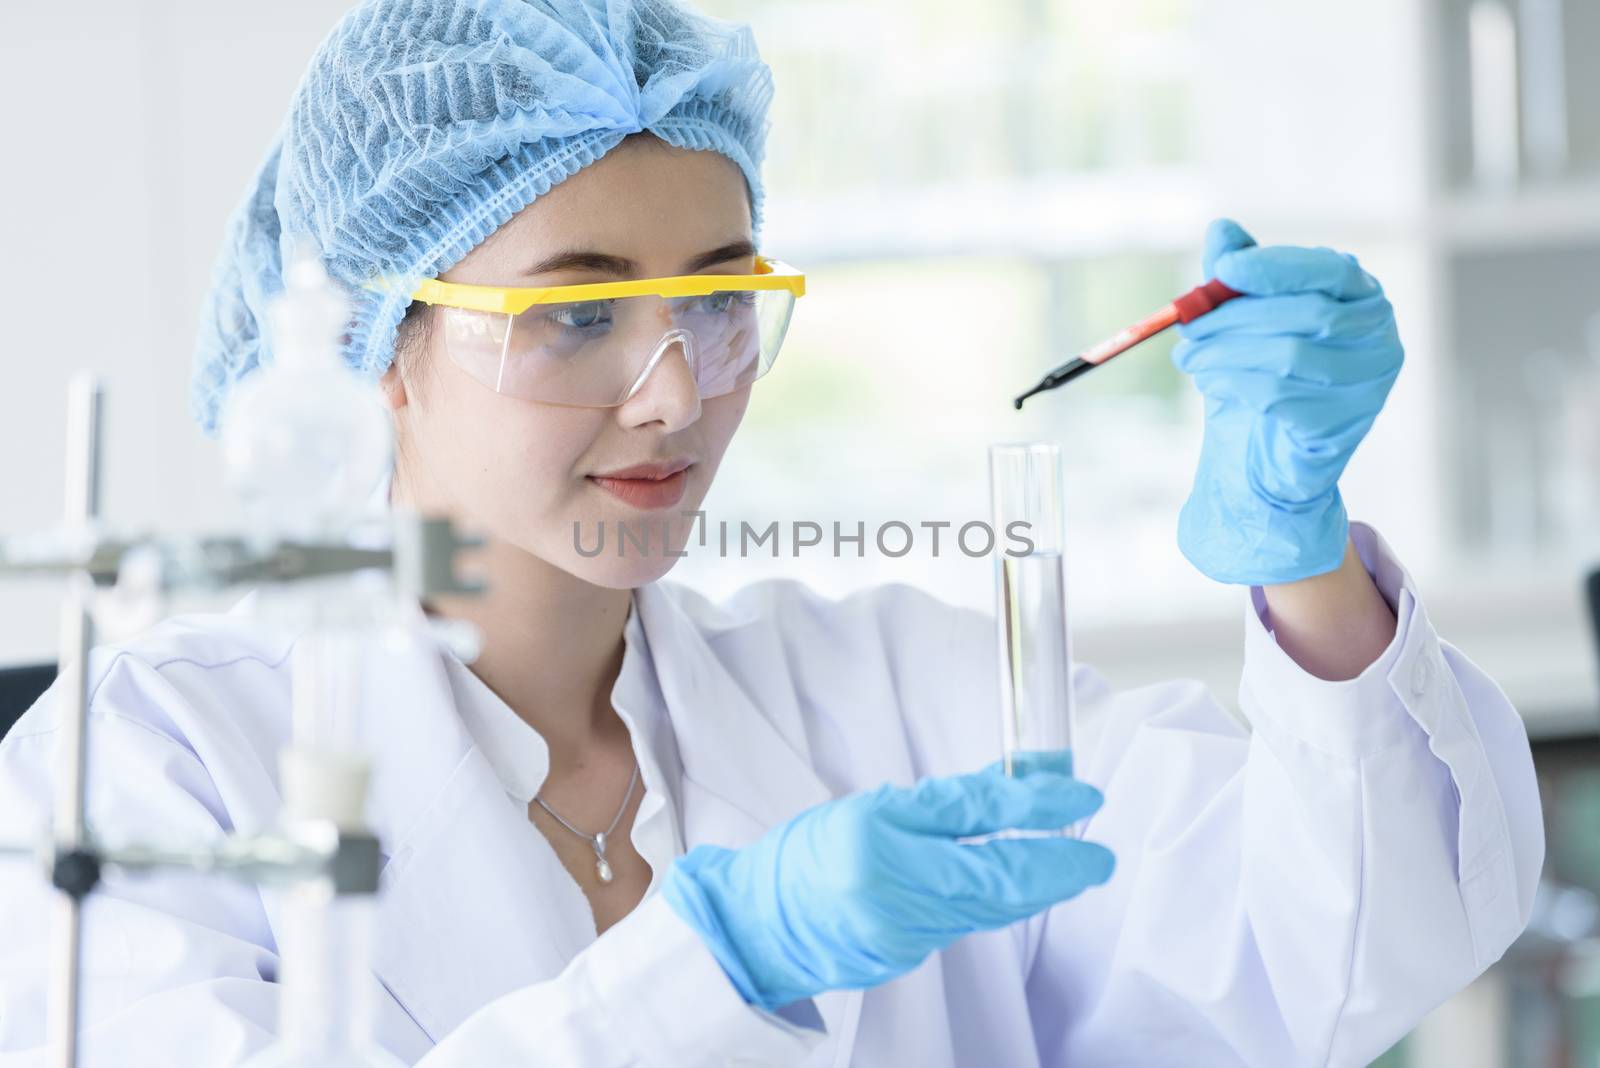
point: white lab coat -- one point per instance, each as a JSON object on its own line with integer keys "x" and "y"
{"x": 1295, "y": 891}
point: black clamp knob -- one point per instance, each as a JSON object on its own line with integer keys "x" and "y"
{"x": 75, "y": 872}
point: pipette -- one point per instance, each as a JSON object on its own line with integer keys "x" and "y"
{"x": 1191, "y": 305}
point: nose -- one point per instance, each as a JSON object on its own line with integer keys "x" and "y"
{"x": 669, "y": 394}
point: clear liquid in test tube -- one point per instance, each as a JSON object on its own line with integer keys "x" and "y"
{"x": 1031, "y": 610}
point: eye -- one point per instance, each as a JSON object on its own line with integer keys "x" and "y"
{"x": 720, "y": 303}
{"x": 583, "y": 316}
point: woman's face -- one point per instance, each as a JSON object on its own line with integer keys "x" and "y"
{"x": 524, "y": 472}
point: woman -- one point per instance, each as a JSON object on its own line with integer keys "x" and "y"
{"x": 781, "y": 780}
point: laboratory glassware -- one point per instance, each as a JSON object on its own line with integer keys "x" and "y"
{"x": 305, "y": 442}
{"x": 1031, "y": 609}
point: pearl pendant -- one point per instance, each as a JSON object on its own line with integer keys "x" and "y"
{"x": 601, "y": 866}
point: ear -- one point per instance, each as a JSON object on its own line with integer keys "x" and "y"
{"x": 394, "y": 389}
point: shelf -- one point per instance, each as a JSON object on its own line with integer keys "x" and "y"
{"x": 1531, "y": 217}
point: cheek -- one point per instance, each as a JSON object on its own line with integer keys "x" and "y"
{"x": 721, "y": 417}
{"x": 500, "y": 461}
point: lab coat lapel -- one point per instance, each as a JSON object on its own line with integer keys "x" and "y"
{"x": 742, "y": 773}
{"x": 470, "y": 907}
{"x": 755, "y": 775}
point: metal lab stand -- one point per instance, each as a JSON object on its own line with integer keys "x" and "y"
{"x": 419, "y": 560}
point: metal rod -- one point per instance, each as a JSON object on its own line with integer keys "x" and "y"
{"x": 77, "y": 638}
{"x": 267, "y": 859}
{"x": 263, "y": 860}
{"x": 83, "y": 450}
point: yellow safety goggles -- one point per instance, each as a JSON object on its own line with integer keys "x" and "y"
{"x": 594, "y": 345}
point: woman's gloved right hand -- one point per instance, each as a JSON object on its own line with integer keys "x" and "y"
{"x": 856, "y": 891}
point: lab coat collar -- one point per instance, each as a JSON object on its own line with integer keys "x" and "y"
{"x": 458, "y": 925}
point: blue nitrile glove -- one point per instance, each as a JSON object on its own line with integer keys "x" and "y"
{"x": 1293, "y": 374}
{"x": 855, "y": 891}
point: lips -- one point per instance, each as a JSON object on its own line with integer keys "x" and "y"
{"x": 647, "y": 486}
{"x": 654, "y": 471}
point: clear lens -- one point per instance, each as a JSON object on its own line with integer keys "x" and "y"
{"x": 592, "y": 353}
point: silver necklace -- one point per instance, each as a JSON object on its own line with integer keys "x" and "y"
{"x": 601, "y": 866}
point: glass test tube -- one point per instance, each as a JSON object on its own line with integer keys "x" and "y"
{"x": 1031, "y": 615}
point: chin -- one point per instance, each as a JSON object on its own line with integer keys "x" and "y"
{"x": 601, "y": 560}
{"x": 627, "y": 574}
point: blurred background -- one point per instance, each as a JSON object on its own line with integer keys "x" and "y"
{"x": 976, "y": 192}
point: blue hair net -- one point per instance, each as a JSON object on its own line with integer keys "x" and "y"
{"x": 421, "y": 126}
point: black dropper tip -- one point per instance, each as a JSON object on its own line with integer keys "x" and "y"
{"x": 1040, "y": 388}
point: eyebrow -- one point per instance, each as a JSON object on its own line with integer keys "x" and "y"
{"x": 606, "y": 263}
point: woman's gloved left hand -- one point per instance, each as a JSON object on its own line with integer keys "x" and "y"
{"x": 1293, "y": 374}
{"x": 856, "y": 891}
